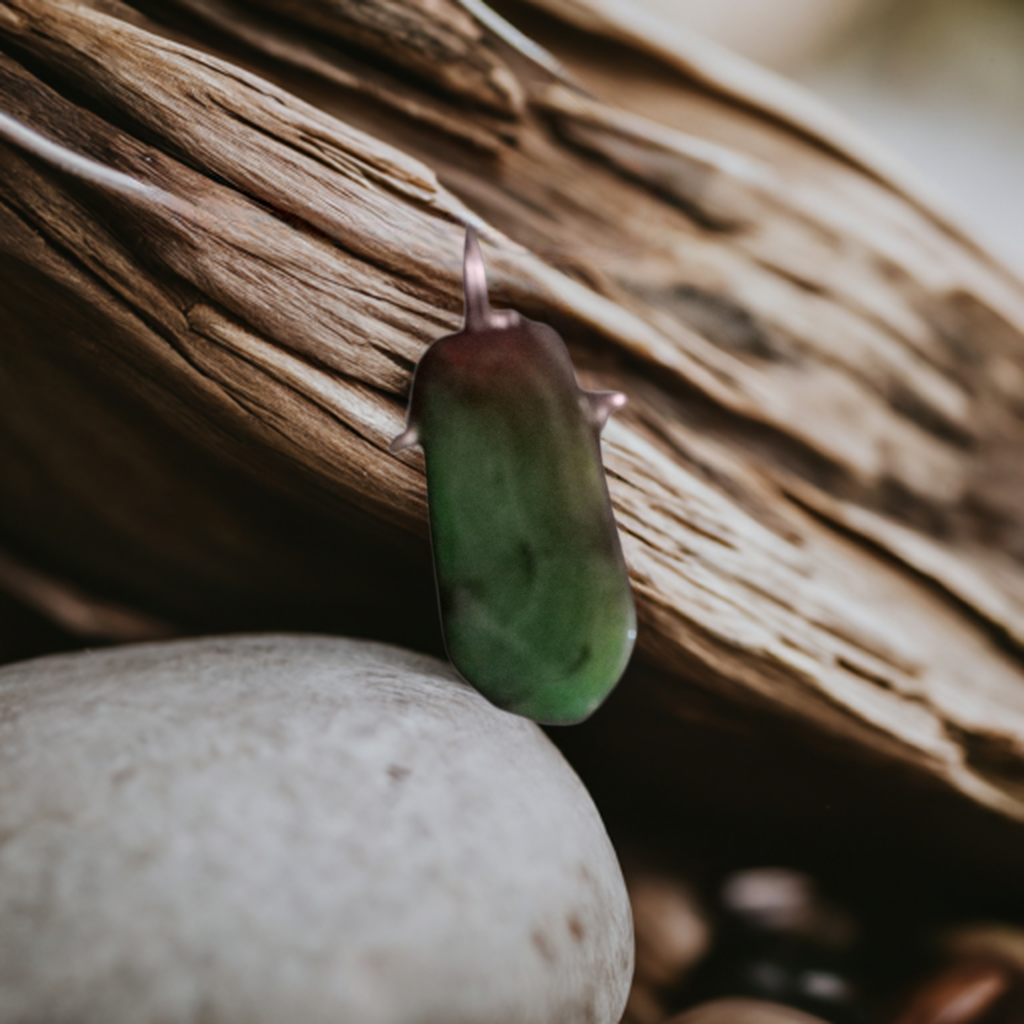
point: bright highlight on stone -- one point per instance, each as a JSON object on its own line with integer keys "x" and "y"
{"x": 536, "y": 605}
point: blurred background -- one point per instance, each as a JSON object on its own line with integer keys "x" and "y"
{"x": 940, "y": 82}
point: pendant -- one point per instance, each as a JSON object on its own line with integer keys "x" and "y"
{"x": 536, "y": 606}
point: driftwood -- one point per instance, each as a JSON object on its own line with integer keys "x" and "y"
{"x": 817, "y": 479}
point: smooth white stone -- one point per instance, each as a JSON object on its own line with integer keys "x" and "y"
{"x": 293, "y": 830}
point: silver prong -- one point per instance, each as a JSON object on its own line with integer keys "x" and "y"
{"x": 409, "y": 438}
{"x": 474, "y": 282}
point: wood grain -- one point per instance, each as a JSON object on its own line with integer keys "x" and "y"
{"x": 817, "y": 479}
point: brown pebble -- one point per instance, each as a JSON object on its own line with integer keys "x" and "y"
{"x": 744, "y": 1011}
{"x": 981, "y": 982}
{"x": 993, "y": 942}
{"x": 964, "y": 993}
{"x": 672, "y": 936}
{"x": 672, "y": 932}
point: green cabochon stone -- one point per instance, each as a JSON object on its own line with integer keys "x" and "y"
{"x": 536, "y": 605}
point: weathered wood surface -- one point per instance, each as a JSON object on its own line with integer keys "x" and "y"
{"x": 818, "y": 478}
